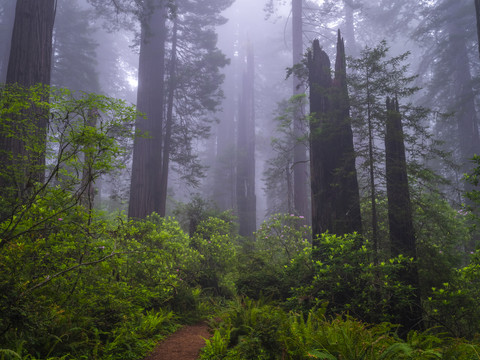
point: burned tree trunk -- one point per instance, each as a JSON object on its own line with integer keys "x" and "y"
{"x": 335, "y": 196}
{"x": 402, "y": 234}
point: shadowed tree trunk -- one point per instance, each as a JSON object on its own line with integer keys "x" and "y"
{"x": 402, "y": 234}
{"x": 145, "y": 187}
{"x": 29, "y": 64}
{"x": 335, "y": 196}
{"x": 169, "y": 120}
{"x": 246, "y": 199}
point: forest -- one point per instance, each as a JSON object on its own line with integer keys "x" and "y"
{"x": 301, "y": 175}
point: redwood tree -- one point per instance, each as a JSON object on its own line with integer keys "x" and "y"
{"x": 145, "y": 194}
{"x": 402, "y": 234}
{"x": 29, "y": 64}
{"x": 335, "y": 196}
{"x": 246, "y": 199}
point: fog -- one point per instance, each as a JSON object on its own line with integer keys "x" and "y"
{"x": 96, "y": 48}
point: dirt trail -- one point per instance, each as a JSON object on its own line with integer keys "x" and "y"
{"x": 185, "y": 344}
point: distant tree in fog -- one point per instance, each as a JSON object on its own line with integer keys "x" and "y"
{"x": 188, "y": 100}
{"x": 245, "y": 161}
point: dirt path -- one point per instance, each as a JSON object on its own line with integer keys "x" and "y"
{"x": 185, "y": 344}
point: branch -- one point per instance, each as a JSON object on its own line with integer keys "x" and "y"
{"x": 50, "y": 278}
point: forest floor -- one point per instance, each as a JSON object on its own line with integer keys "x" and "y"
{"x": 184, "y": 344}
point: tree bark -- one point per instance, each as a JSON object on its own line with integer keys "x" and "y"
{"x": 477, "y": 12}
{"x": 335, "y": 195}
{"x": 402, "y": 234}
{"x": 300, "y": 150}
{"x": 246, "y": 198}
{"x": 169, "y": 121}
{"x": 145, "y": 191}
{"x": 29, "y": 64}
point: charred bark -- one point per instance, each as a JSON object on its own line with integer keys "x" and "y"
{"x": 402, "y": 234}
{"x": 335, "y": 196}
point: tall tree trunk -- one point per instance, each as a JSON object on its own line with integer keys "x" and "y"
{"x": 477, "y": 12}
{"x": 246, "y": 199}
{"x": 348, "y": 218}
{"x": 6, "y": 27}
{"x": 169, "y": 120}
{"x": 335, "y": 194}
{"x": 466, "y": 115}
{"x": 350, "y": 28}
{"x": 145, "y": 191}
{"x": 402, "y": 234}
{"x": 29, "y": 64}
{"x": 300, "y": 150}
{"x": 31, "y": 47}
{"x": 320, "y": 82}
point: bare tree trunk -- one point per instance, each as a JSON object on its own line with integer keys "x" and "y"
{"x": 335, "y": 194}
{"x": 402, "y": 233}
{"x": 246, "y": 198}
{"x": 29, "y": 64}
{"x": 145, "y": 191}
{"x": 477, "y": 12}
{"x": 300, "y": 150}
{"x": 320, "y": 82}
{"x": 169, "y": 120}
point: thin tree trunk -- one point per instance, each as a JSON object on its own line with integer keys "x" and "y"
{"x": 246, "y": 198}
{"x": 300, "y": 150}
{"x": 477, "y": 12}
{"x": 373, "y": 192}
{"x": 147, "y": 166}
{"x": 169, "y": 120}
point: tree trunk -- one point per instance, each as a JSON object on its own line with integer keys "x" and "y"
{"x": 31, "y": 47}
{"x": 402, "y": 234}
{"x": 169, "y": 121}
{"x": 477, "y": 12}
{"x": 320, "y": 83}
{"x": 29, "y": 64}
{"x": 348, "y": 219}
{"x": 6, "y": 27}
{"x": 147, "y": 166}
{"x": 335, "y": 194}
{"x": 300, "y": 150}
{"x": 246, "y": 198}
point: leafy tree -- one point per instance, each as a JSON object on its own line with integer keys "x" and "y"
{"x": 373, "y": 77}
{"x": 195, "y": 94}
